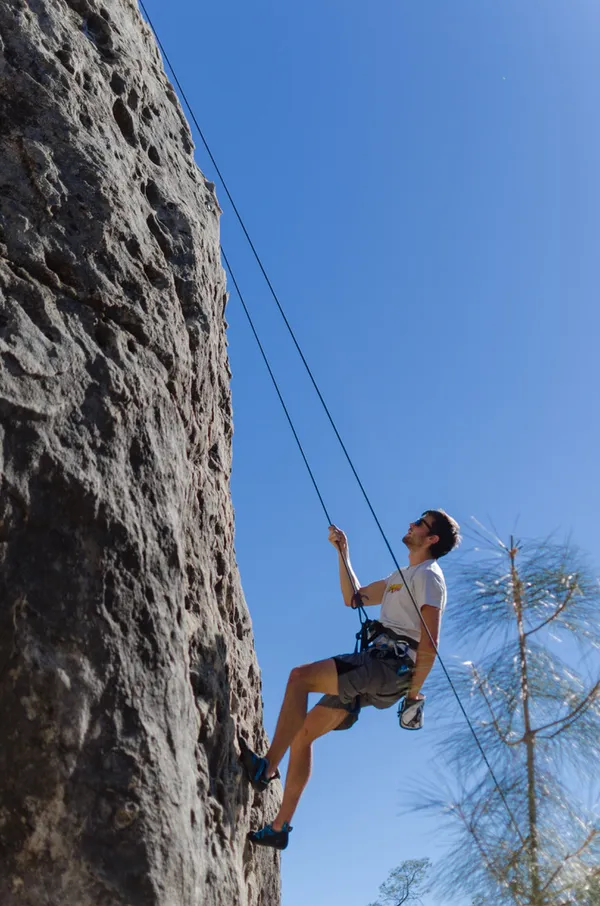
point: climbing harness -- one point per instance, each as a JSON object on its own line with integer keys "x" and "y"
{"x": 381, "y": 641}
{"x": 372, "y": 633}
{"x": 362, "y": 616}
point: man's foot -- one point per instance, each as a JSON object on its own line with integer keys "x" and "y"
{"x": 266, "y": 836}
{"x": 255, "y": 767}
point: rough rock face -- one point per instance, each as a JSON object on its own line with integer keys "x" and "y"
{"x": 126, "y": 652}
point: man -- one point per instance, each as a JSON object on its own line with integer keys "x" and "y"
{"x": 396, "y": 663}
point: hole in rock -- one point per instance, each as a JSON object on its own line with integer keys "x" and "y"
{"x": 133, "y": 247}
{"x": 103, "y": 336}
{"x": 64, "y": 57}
{"x": 60, "y": 266}
{"x": 117, "y": 83}
{"x": 98, "y": 32}
{"x": 152, "y": 193}
{"x": 160, "y": 237}
{"x": 158, "y": 278}
{"x": 124, "y": 121}
{"x": 154, "y": 155}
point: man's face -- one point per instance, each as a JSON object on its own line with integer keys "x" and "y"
{"x": 419, "y": 534}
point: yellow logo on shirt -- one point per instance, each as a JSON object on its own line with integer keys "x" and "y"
{"x": 395, "y": 587}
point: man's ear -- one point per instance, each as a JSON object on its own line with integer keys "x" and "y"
{"x": 433, "y": 539}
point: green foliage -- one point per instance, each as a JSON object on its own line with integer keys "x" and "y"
{"x": 405, "y": 884}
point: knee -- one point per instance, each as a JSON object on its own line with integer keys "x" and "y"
{"x": 300, "y": 676}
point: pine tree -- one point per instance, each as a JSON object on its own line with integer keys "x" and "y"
{"x": 531, "y": 611}
{"x": 404, "y": 884}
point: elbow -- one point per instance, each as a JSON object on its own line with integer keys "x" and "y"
{"x": 356, "y": 600}
{"x": 427, "y": 646}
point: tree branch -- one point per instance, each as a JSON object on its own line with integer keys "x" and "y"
{"x": 495, "y": 722}
{"x": 569, "y": 718}
{"x": 558, "y": 610}
{"x": 592, "y": 834}
{"x": 498, "y": 875}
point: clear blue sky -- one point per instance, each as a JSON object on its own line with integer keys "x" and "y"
{"x": 422, "y": 180}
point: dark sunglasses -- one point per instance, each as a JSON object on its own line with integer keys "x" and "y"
{"x": 422, "y": 521}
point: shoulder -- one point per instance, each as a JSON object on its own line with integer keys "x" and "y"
{"x": 435, "y": 570}
{"x": 430, "y": 581}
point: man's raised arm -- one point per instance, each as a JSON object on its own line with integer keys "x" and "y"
{"x": 369, "y": 594}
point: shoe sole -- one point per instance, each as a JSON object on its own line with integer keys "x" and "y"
{"x": 268, "y": 845}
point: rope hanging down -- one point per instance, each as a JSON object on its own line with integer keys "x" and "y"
{"x": 359, "y": 606}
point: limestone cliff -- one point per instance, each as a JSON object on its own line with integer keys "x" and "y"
{"x": 126, "y": 650}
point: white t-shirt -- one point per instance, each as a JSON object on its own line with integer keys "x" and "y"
{"x": 428, "y": 586}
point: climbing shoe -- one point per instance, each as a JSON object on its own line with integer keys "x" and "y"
{"x": 255, "y": 767}
{"x": 266, "y": 836}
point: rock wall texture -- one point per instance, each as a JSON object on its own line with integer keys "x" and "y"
{"x": 126, "y": 652}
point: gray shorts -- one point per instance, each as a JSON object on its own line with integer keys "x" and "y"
{"x": 367, "y": 678}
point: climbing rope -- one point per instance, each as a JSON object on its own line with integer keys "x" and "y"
{"x": 358, "y": 606}
{"x": 356, "y": 600}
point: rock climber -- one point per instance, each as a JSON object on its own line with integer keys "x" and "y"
{"x": 394, "y": 666}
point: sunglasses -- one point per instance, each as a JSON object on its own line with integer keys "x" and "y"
{"x": 422, "y": 521}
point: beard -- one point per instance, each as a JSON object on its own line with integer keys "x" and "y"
{"x": 407, "y": 540}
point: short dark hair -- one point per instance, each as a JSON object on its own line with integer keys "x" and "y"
{"x": 448, "y": 531}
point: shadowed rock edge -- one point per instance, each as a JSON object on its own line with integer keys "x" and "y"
{"x": 127, "y": 666}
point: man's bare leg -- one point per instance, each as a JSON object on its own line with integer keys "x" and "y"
{"x": 318, "y": 677}
{"x": 319, "y": 721}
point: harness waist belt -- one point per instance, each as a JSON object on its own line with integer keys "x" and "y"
{"x": 376, "y": 629}
{"x": 404, "y": 638}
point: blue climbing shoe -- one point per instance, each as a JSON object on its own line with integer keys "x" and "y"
{"x": 266, "y": 836}
{"x": 255, "y": 767}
